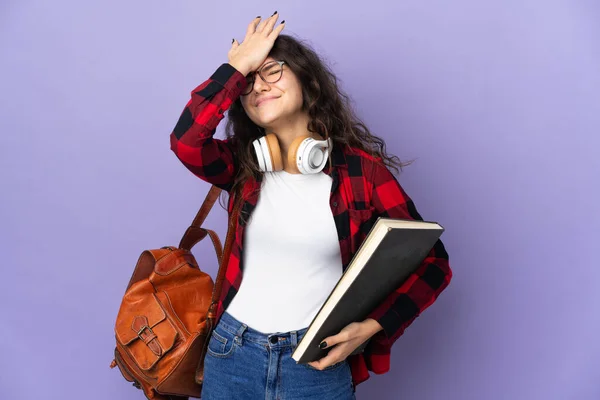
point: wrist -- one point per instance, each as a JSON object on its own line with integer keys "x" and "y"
{"x": 373, "y": 326}
{"x": 242, "y": 68}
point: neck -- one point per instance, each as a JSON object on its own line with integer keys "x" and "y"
{"x": 288, "y": 130}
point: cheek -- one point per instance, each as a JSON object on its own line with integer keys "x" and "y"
{"x": 294, "y": 97}
{"x": 249, "y": 110}
{"x": 245, "y": 104}
{"x": 298, "y": 95}
{"x": 299, "y": 98}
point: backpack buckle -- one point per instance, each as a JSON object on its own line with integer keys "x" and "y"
{"x": 142, "y": 329}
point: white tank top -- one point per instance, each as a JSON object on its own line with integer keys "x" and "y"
{"x": 291, "y": 254}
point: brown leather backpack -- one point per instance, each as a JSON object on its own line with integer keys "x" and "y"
{"x": 168, "y": 312}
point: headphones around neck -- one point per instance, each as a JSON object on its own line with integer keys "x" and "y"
{"x": 306, "y": 155}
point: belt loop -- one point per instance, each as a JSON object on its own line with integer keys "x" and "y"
{"x": 240, "y": 332}
{"x": 294, "y": 338}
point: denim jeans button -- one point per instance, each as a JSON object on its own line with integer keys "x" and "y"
{"x": 273, "y": 339}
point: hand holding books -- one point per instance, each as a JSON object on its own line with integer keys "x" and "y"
{"x": 345, "y": 342}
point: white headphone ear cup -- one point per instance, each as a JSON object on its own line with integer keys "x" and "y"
{"x": 306, "y": 152}
{"x": 323, "y": 154}
{"x": 264, "y": 146}
{"x": 259, "y": 155}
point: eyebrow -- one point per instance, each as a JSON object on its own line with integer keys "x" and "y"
{"x": 265, "y": 63}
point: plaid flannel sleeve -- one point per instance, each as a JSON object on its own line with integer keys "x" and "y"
{"x": 192, "y": 141}
{"x": 422, "y": 288}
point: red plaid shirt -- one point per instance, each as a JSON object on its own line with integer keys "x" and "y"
{"x": 354, "y": 211}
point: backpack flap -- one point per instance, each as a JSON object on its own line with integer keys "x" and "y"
{"x": 144, "y": 330}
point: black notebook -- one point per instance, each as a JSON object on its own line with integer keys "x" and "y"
{"x": 391, "y": 252}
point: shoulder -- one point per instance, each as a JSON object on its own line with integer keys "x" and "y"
{"x": 369, "y": 164}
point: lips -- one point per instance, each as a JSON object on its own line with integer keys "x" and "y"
{"x": 263, "y": 99}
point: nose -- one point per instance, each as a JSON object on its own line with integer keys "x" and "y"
{"x": 260, "y": 85}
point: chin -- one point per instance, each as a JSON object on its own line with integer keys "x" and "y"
{"x": 266, "y": 118}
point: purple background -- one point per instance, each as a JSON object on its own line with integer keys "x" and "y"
{"x": 499, "y": 102}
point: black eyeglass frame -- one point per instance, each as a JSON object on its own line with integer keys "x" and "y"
{"x": 249, "y": 87}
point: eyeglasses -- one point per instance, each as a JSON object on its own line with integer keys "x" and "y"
{"x": 271, "y": 72}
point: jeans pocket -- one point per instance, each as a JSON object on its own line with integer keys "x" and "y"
{"x": 221, "y": 344}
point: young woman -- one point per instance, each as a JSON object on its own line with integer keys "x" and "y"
{"x": 310, "y": 180}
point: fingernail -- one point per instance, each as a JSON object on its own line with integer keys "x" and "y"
{"x": 323, "y": 345}
{"x": 232, "y": 40}
{"x": 274, "y": 13}
{"x": 258, "y": 16}
{"x": 283, "y": 21}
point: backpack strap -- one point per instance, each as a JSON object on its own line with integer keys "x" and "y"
{"x": 231, "y": 229}
{"x": 195, "y": 232}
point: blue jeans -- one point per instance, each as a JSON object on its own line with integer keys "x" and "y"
{"x": 242, "y": 363}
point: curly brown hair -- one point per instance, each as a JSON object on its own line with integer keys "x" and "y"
{"x": 328, "y": 107}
